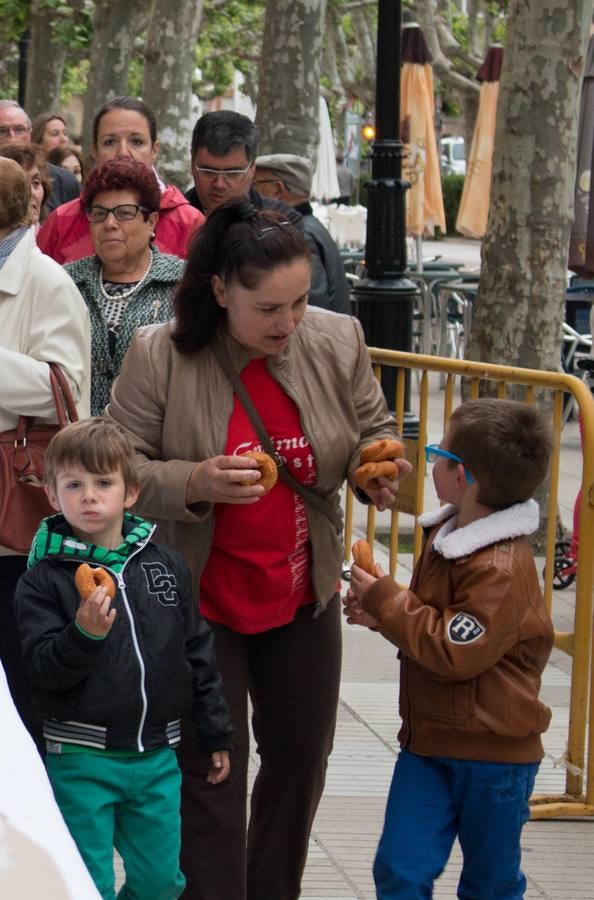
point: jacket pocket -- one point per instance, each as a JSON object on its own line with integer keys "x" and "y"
{"x": 450, "y": 703}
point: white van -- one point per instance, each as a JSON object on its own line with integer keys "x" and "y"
{"x": 453, "y": 156}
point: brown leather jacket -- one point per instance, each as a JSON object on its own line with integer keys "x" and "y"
{"x": 176, "y": 409}
{"x": 474, "y": 636}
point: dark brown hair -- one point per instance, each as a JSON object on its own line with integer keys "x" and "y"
{"x": 121, "y": 174}
{"x": 238, "y": 243}
{"x": 57, "y": 155}
{"x": 15, "y": 195}
{"x": 505, "y": 445}
{"x": 29, "y": 155}
{"x": 96, "y": 445}
{"x": 130, "y": 103}
{"x": 40, "y": 123}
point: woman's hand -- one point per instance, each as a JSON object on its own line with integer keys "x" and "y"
{"x": 217, "y": 480}
{"x": 384, "y": 497}
{"x": 220, "y": 767}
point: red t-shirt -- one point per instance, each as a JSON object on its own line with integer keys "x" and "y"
{"x": 258, "y": 571}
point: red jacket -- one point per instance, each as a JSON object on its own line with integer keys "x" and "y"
{"x": 65, "y": 235}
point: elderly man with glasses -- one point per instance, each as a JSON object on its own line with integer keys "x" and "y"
{"x": 15, "y": 128}
{"x": 224, "y": 150}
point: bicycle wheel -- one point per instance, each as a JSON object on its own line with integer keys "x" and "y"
{"x": 564, "y": 571}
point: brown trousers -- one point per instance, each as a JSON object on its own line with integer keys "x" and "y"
{"x": 292, "y": 675}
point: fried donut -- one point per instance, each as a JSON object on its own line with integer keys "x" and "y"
{"x": 88, "y": 578}
{"x": 366, "y": 476}
{"x": 363, "y": 556}
{"x": 382, "y": 450}
{"x": 268, "y": 470}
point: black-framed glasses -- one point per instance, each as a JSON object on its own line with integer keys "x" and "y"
{"x": 230, "y": 176}
{"x": 434, "y": 451}
{"x": 125, "y": 212}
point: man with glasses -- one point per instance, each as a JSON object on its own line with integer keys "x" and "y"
{"x": 286, "y": 177}
{"x": 224, "y": 150}
{"x": 15, "y": 128}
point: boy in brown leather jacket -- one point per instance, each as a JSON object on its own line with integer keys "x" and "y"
{"x": 474, "y": 636}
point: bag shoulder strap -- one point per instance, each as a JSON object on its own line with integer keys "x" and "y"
{"x": 65, "y": 406}
{"x": 238, "y": 386}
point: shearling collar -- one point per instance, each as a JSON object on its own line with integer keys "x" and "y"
{"x": 515, "y": 521}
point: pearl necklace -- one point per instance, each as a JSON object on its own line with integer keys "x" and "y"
{"x": 124, "y": 294}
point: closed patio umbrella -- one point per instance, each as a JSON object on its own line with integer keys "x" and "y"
{"x": 424, "y": 200}
{"x": 581, "y": 241}
{"x": 474, "y": 203}
{"x": 325, "y": 180}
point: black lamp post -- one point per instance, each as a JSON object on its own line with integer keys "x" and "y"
{"x": 24, "y": 41}
{"x": 385, "y": 299}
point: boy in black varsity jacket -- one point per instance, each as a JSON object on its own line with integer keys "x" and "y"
{"x": 112, "y": 679}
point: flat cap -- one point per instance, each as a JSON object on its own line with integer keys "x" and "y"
{"x": 294, "y": 171}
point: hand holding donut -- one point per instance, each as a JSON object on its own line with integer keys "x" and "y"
{"x": 225, "y": 479}
{"x": 267, "y": 468}
{"x": 97, "y": 590}
{"x": 378, "y": 472}
{"x": 364, "y": 573}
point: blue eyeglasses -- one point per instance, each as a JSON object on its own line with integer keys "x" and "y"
{"x": 434, "y": 451}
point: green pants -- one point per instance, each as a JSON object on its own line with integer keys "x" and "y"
{"x": 130, "y": 803}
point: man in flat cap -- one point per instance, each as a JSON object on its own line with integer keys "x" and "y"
{"x": 287, "y": 178}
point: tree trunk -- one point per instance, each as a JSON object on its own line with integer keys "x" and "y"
{"x": 289, "y": 80}
{"x": 169, "y": 63}
{"x": 115, "y": 26}
{"x": 520, "y": 305}
{"x": 45, "y": 62}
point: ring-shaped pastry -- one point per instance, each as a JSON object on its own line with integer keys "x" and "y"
{"x": 88, "y": 578}
{"x": 363, "y": 556}
{"x": 366, "y": 476}
{"x": 268, "y": 470}
{"x": 382, "y": 450}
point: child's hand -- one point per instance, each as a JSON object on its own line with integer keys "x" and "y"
{"x": 94, "y": 615}
{"x": 220, "y": 766}
{"x": 361, "y": 580}
{"x": 355, "y": 615}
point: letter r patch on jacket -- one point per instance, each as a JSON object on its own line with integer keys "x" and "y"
{"x": 464, "y": 629}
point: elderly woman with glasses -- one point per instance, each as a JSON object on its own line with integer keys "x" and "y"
{"x": 124, "y": 128}
{"x": 128, "y": 282}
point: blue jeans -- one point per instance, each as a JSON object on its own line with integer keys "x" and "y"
{"x": 434, "y": 799}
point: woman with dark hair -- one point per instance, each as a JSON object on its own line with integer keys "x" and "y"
{"x": 69, "y": 158}
{"x": 128, "y": 282}
{"x": 124, "y": 128}
{"x": 49, "y": 131}
{"x": 268, "y": 564}
{"x": 30, "y": 158}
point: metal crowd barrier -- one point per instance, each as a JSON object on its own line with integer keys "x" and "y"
{"x": 578, "y": 799}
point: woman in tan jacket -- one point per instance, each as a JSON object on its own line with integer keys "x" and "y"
{"x": 268, "y": 565}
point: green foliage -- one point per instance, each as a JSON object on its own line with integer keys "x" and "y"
{"x": 74, "y": 80}
{"x": 14, "y": 16}
{"x": 451, "y": 186}
{"x": 229, "y": 39}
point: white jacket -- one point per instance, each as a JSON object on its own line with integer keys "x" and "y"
{"x": 43, "y": 319}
